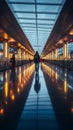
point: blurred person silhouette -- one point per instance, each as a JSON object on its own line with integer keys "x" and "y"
{"x": 36, "y": 61}
{"x": 13, "y": 60}
{"x": 37, "y": 86}
{"x": 37, "y": 83}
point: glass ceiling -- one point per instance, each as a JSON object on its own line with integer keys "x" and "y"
{"x": 36, "y": 18}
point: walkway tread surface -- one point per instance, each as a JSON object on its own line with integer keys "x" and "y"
{"x": 38, "y": 112}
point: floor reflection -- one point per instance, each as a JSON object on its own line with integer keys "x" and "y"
{"x": 13, "y": 85}
{"x": 37, "y": 84}
{"x": 61, "y": 92}
{"x": 38, "y": 112}
{"x": 31, "y": 103}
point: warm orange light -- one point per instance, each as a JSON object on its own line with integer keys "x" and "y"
{"x": 65, "y": 50}
{"x": 13, "y": 97}
{"x": 56, "y": 53}
{"x": 5, "y": 36}
{"x": 56, "y": 76}
{"x": 21, "y": 85}
{"x": 51, "y": 73}
{"x": 1, "y": 111}
{"x": 18, "y": 89}
{"x": 65, "y": 86}
{"x": 19, "y": 54}
{"x": 19, "y": 44}
{"x": 71, "y": 32}
{"x": 72, "y": 109}
{"x": 11, "y": 40}
{"x": 11, "y": 91}
{"x": 24, "y": 77}
{"x": 6, "y": 89}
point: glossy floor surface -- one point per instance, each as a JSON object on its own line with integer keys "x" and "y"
{"x": 36, "y": 100}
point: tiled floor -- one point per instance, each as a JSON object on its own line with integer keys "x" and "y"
{"x": 38, "y": 112}
{"x": 37, "y": 101}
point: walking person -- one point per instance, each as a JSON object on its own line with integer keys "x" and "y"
{"x": 36, "y": 61}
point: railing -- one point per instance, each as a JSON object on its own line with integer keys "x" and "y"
{"x": 6, "y": 64}
{"x": 63, "y": 63}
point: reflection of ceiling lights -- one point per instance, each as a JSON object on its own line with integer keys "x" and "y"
{"x": 71, "y": 32}
{"x": 60, "y": 41}
{"x": 11, "y": 40}
{"x": 65, "y": 39}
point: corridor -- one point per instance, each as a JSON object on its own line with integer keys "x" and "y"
{"x": 30, "y": 100}
{"x": 36, "y": 34}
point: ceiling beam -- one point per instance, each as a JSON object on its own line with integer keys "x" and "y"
{"x": 38, "y": 12}
{"x": 35, "y": 27}
{"x": 35, "y": 24}
{"x": 33, "y": 3}
{"x": 41, "y": 19}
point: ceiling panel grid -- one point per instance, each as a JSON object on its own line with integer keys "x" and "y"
{"x": 36, "y": 18}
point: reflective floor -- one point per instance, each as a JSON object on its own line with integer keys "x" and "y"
{"x": 36, "y": 100}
